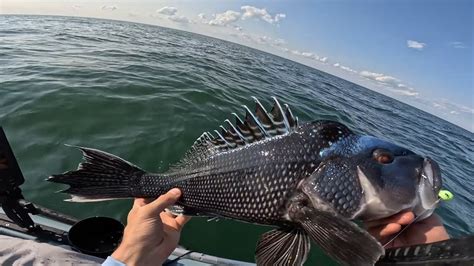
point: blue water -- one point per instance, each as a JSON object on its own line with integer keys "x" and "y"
{"x": 146, "y": 93}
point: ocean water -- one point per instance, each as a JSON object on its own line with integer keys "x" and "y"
{"x": 146, "y": 93}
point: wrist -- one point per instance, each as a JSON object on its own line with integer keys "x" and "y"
{"x": 125, "y": 255}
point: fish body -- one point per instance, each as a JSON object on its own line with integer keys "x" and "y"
{"x": 308, "y": 180}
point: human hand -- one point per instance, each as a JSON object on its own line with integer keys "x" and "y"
{"x": 151, "y": 235}
{"x": 425, "y": 231}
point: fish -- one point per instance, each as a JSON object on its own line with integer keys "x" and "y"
{"x": 310, "y": 181}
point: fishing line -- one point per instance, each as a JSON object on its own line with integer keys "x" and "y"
{"x": 408, "y": 225}
{"x": 444, "y": 195}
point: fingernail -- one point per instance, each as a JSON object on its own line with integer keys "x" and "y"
{"x": 409, "y": 216}
{"x": 176, "y": 192}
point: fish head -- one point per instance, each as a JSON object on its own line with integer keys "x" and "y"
{"x": 367, "y": 178}
{"x": 399, "y": 179}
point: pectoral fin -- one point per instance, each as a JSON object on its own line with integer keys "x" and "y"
{"x": 283, "y": 247}
{"x": 340, "y": 238}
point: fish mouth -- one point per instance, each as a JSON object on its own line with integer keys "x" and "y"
{"x": 428, "y": 189}
{"x": 431, "y": 174}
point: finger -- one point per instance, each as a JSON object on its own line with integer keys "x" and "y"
{"x": 139, "y": 202}
{"x": 391, "y": 219}
{"x": 385, "y": 230}
{"x": 164, "y": 201}
{"x": 181, "y": 220}
{"x": 149, "y": 200}
{"x": 399, "y": 218}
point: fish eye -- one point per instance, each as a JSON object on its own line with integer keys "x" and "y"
{"x": 382, "y": 156}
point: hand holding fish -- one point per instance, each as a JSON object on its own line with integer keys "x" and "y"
{"x": 428, "y": 230}
{"x": 151, "y": 234}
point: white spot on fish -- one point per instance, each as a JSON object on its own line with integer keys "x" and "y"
{"x": 266, "y": 187}
{"x": 417, "y": 249}
{"x": 405, "y": 252}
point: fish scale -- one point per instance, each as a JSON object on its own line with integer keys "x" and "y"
{"x": 338, "y": 188}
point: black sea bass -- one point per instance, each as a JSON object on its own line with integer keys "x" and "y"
{"x": 306, "y": 180}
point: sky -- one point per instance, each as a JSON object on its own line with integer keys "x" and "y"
{"x": 419, "y": 52}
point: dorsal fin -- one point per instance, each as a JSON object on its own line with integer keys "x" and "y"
{"x": 256, "y": 126}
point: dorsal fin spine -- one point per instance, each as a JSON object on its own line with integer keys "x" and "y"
{"x": 224, "y": 130}
{"x": 256, "y": 121}
{"x": 285, "y": 119}
{"x": 206, "y": 136}
{"x": 210, "y": 135}
{"x": 288, "y": 110}
{"x": 237, "y": 118}
{"x": 220, "y": 136}
{"x": 264, "y": 111}
{"x": 235, "y": 129}
{"x": 238, "y": 122}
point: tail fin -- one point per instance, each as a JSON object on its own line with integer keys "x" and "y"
{"x": 102, "y": 176}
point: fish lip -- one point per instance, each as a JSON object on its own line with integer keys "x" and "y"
{"x": 428, "y": 189}
{"x": 431, "y": 173}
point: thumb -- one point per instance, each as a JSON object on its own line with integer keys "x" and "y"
{"x": 163, "y": 201}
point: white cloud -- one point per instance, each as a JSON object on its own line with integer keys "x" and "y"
{"x": 323, "y": 59}
{"x": 387, "y": 79}
{"x": 295, "y": 52}
{"x": 308, "y": 55}
{"x": 261, "y": 40}
{"x": 450, "y": 107}
{"x": 403, "y": 86}
{"x": 261, "y": 13}
{"x": 457, "y": 45}
{"x": 389, "y": 83}
{"x": 268, "y": 40}
{"x": 202, "y": 18}
{"x": 370, "y": 75}
{"x": 179, "y": 19}
{"x": 167, "y": 10}
{"x": 76, "y": 7}
{"x": 279, "y": 42}
{"x": 108, "y": 8}
{"x": 247, "y": 37}
{"x": 279, "y": 17}
{"x": 223, "y": 19}
{"x": 170, "y": 12}
{"x": 382, "y": 78}
{"x": 404, "y": 92}
{"x": 348, "y": 69}
{"x": 415, "y": 45}
{"x": 408, "y": 90}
